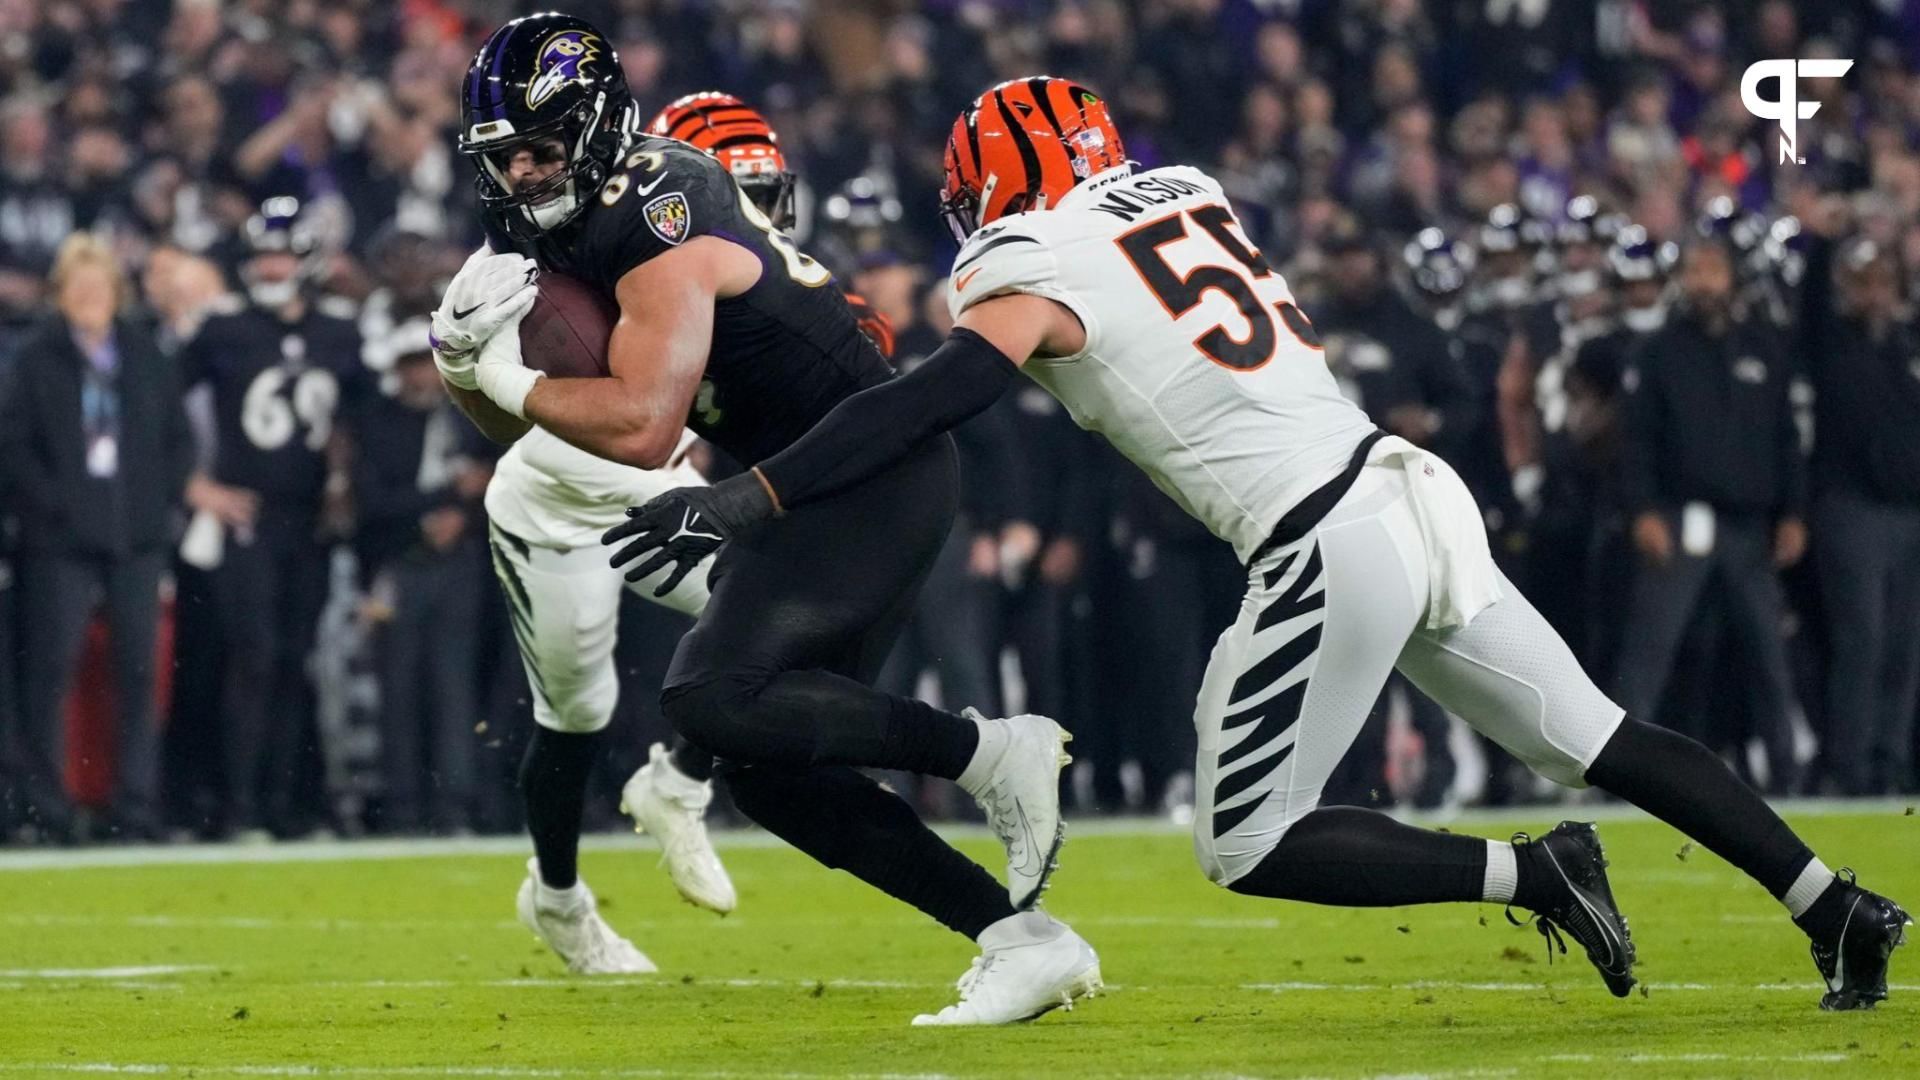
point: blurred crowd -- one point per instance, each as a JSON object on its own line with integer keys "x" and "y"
{"x": 243, "y": 586}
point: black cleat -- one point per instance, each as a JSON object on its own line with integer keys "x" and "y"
{"x": 1853, "y": 959}
{"x": 1572, "y": 873}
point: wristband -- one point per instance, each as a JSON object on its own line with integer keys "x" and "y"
{"x": 507, "y": 385}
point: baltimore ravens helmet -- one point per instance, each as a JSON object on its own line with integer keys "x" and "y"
{"x": 550, "y": 83}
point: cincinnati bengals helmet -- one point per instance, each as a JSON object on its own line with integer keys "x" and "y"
{"x": 1022, "y": 146}
{"x": 736, "y": 134}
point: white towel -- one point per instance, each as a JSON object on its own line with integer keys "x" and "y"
{"x": 1462, "y": 580}
{"x": 204, "y": 544}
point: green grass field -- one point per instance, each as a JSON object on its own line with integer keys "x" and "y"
{"x": 322, "y": 960}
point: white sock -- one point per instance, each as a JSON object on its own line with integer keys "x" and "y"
{"x": 1021, "y": 928}
{"x": 678, "y": 786}
{"x": 561, "y": 901}
{"x": 1807, "y": 888}
{"x": 1503, "y": 873}
{"x": 994, "y": 737}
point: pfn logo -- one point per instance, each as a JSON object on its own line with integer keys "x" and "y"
{"x": 1789, "y": 110}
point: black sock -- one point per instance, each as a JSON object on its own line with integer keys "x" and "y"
{"x": 925, "y": 740}
{"x": 1534, "y": 878}
{"x": 691, "y": 760}
{"x": 1349, "y": 857}
{"x": 1687, "y": 786}
{"x": 553, "y": 779}
{"x": 846, "y": 821}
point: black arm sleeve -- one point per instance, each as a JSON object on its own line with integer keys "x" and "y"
{"x": 879, "y": 426}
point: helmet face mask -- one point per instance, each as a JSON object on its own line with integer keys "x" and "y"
{"x": 773, "y": 194}
{"x": 549, "y": 83}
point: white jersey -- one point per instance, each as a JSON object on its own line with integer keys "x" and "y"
{"x": 550, "y": 493}
{"x": 1198, "y": 366}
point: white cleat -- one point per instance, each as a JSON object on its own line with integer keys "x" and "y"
{"x": 1029, "y": 964}
{"x": 1019, "y": 790}
{"x": 572, "y": 927}
{"x": 672, "y": 806}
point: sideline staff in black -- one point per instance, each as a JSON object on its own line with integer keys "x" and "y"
{"x": 1716, "y": 487}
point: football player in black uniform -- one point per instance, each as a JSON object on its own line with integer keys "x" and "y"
{"x": 278, "y": 370}
{"x": 726, "y": 327}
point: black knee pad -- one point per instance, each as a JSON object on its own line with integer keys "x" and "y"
{"x": 705, "y": 714}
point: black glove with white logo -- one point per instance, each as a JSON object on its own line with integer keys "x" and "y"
{"x": 684, "y": 526}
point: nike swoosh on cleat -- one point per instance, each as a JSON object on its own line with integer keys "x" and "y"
{"x": 1615, "y": 947}
{"x": 1839, "y": 979}
{"x": 1026, "y": 864}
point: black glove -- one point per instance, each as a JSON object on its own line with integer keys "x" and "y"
{"x": 684, "y": 526}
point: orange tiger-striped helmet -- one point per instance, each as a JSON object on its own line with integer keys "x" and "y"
{"x": 1022, "y": 146}
{"x": 742, "y": 140}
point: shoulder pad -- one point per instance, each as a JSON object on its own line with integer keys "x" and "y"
{"x": 1001, "y": 258}
{"x": 663, "y": 193}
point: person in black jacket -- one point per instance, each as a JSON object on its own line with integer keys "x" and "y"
{"x": 419, "y": 473}
{"x": 1394, "y": 361}
{"x": 1865, "y": 360}
{"x": 95, "y": 450}
{"x": 1715, "y": 485}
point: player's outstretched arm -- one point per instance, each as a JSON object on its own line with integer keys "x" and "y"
{"x": 861, "y": 437}
{"x": 876, "y": 428}
{"x": 656, "y": 358}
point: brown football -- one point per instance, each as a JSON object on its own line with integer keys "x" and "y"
{"x": 566, "y": 332}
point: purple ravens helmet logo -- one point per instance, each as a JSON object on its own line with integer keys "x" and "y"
{"x": 563, "y": 58}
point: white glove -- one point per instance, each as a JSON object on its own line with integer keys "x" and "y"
{"x": 501, "y": 375}
{"x": 490, "y": 293}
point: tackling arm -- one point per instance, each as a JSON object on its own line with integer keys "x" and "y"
{"x": 656, "y": 358}
{"x": 862, "y": 436}
{"x": 877, "y": 427}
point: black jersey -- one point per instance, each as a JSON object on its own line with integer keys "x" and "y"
{"x": 784, "y": 353}
{"x": 277, "y": 387}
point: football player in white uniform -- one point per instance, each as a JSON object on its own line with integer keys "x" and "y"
{"x": 1136, "y": 299}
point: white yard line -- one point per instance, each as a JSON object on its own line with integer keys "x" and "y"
{"x": 350, "y": 850}
{"x": 103, "y": 972}
{"x": 118, "y": 978}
